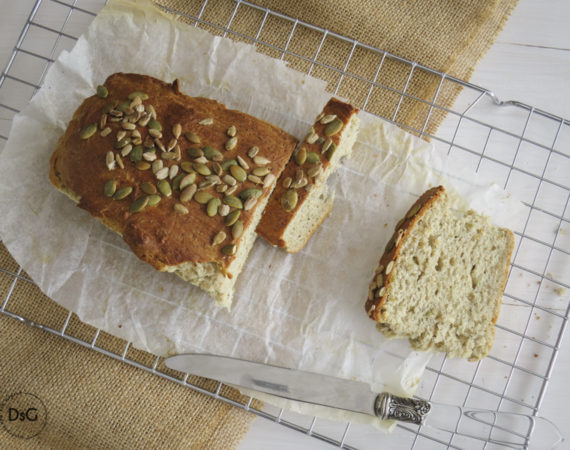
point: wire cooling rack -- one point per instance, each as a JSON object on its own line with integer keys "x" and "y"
{"x": 524, "y": 149}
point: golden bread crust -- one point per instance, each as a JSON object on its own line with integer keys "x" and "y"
{"x": 158, "y": 234}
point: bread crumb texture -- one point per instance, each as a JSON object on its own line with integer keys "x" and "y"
{"x": 445, "y": 287}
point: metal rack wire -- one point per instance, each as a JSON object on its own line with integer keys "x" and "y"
{"x": 523, "y": 148}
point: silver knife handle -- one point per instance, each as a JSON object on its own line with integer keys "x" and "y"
{"x": 388, "y": 406}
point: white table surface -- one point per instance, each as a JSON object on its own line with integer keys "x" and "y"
{"x": 529, "y": 62}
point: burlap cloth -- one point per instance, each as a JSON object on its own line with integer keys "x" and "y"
{"x": 93, "y": 401}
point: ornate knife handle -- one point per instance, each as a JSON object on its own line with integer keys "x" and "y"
{"x": 388, "y": 406}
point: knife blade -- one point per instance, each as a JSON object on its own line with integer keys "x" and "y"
{"x": 356, "y": 396}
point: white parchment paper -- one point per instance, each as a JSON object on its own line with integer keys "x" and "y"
{"x": 301, "y": 311}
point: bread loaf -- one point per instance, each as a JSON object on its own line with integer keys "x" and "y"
{"x": 184, "y": 180}
{"x": 301, "y": 200}
{"x": 441, "y": 278}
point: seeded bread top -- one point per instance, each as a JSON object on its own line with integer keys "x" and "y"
{"x": 305, "y": 170}
{"x": 178, "y": 177}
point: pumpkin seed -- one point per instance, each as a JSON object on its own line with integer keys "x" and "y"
{"x": 333, "y": 127}
{"x": 202, "y": 169}
{"x": 233, "y": 201}
{"x": 187, "y": 167}
{"x": 208, "y": 121}
{"x": 242, "y": 162}
{"x": 201, "y": 160}
{"x": 122, "y": 143}
{"x": 154, "y": 125}
{"x": 238, "y": 173}
{"x": 102, "y": 91}
{"x": 231, "y": 143}
{"x": 157, "y": 165}
{"x": 162, "y": 174}
{"x": 315, "y": 171}
{"x": 108, "y": 108}
{"x": 320, "y": 116}
{"x": 237, "y": 229}
{"x": 110, "y": 160}
{"x": 148, "y": 188}
{"x": 167, "y": 156}
{"x": 223, "y": 210}
{"x": 312, "y": 138}
{"x": 253, "y": 151}
{"x": 210, "y": 152}
{"x": 187, "y": 180}
{"x": 106, "y": 131}
{"x": 327, "y": 118}
{"x": 212, "y": 206}
{"x": 151, "y": 111}
{"x": 260, "y": 171}
{"x": 249, "y": 203}
{"x": 300, "y": 156}
{"x": 88, "y": 131}
{"x": 219, "y": 238}
{"x": 250, "y": 192}
{"x": 164, "y": 188}
{"x": 415, "y": 209}
{"x": 123, "y": 107}
{"x": 261, "y": 160}
{"x": 139, "y": 204}
{"x": 141, "y": 95}
{"x": 289, "y": 200}
{"x": 400, "y": 223}
{"x": 330, "y": 152}
{"x": 268, "y": 180}
{"x": 122, "y": 193}
{"x": 232, "y": 217}
{"x": 228, "y": 179}
{"x": 202, "y": 197}
{"x": 172, "y": 171}
{"x": 142, "y": 165}
{"x": 153, "y": 200}
{"x": 217, "y": 168}
{"x": 192, "y": 137}
{"x": 110, "y": 188}
{"x": 229, "y": 250}
{"x": 136, "y": 154}
{"x": 179, "y": 208}
{"x": 206, "y": 184}
{"x": 157, "y": 134}
{"x": 287, "y": 182}
{"x": 188, "y": 192}
{"x": 221, "y": 188}
{"x": 231, "y": 189}
{"x": 313, "y": 158}
{"x": 228, "y": 163}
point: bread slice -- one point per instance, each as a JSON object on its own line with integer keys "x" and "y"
{"x": 301, "y": 200}
{"x": 184, "y": 180}
{"x": 441, "y": 278}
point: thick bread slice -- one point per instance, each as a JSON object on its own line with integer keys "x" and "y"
{"x": 441, "y": 279}
{"x": 201, "y": 145}
{"x": 300, "y": 201}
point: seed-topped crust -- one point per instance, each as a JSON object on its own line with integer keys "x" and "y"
{"x": 310, "y": 160}
{"x": 158, "y": 121}
{"x": 377, "y": 298}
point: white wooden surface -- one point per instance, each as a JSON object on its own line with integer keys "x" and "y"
{"x": 529, "y": 62}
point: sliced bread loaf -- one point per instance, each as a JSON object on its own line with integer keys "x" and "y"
{"x": 300, "y": 201}
{"x": 441, "y": 278}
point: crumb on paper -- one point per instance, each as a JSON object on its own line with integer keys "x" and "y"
{"x": 560, "y": 290}
{"x": 536, "y": 355}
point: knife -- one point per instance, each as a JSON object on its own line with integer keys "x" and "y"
{"x": 355, "y": 396}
